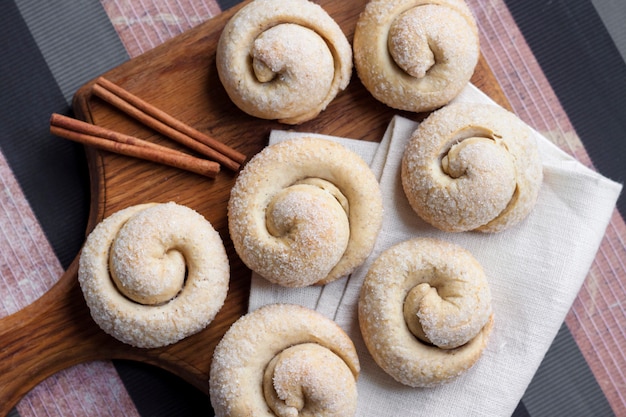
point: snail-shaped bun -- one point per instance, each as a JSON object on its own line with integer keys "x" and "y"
{"x": 284, "y": 360}
{"x": 425, "y": 311}
{"x": 472, "y": 167}
{"x": 415, "y": 55}
{"x": 304, "y": 211}
{"x": 283, "y": 59}
{"x": 153, "y": 274}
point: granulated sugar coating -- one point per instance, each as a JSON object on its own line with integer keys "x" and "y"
{"x": 283, "y": 59}
{"x": 472, "y": 167}
{"x": 165, "y": 279}
{"x": 416, "y": 55}
{"x": 305, "y": 211}
{"x": 425, "y": 311}
{"x": 284, "y": 359}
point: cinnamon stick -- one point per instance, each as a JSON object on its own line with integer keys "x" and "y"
{"x": 109, "y": 140}
{"x": 166, "y": 124}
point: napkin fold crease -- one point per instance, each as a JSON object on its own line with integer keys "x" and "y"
{"x": 535, "y": 271}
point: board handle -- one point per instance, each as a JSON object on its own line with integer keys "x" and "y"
{"x": 49, "y": 335}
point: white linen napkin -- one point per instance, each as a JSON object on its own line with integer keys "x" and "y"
{"x": 535, "y": 271}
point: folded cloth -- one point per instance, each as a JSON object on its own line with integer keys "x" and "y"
{"x": 535, "y": 271}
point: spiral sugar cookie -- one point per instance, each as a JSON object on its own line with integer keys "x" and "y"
{"x": 472, "y": 167}
{"x": 305, "y": 211}
{"x": 153, "y": 274}
{"x": 284, "y": 360}
{"x": 283, "y": 59}
{"x": 425, "y": 311}
{"x": 415, "y": 55}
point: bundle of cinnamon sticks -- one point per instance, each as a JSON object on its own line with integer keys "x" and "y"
{"x": 217, "y": 154}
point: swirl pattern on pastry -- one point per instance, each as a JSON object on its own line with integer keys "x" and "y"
{"x": 472, "y": 167}
{"x": 425, "y": 311}
{"x": 285, "y": 358}
{"x": 153, "y": 274}
{"x": 415, "y": 55}
{"x": 284, "y": 60}
{"x": 305, "y": 211}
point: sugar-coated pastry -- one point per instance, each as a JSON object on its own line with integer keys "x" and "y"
{"x": 415, "y": 55}
{"x": 305, "y": 211}
{"x": 472, "y": 167}
{"x": 283, "y": 59}
{"x": 284, "y": 360}
{"x": 425, "y": 311}
{"x": 153, "y": 274}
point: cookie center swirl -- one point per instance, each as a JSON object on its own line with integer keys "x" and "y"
{"x": 145, "y": 263}
{"x": 308, "y": 380}
{"x": 434, "y": 309}
{"x": 409, "y": 44}
{"x": 410, "y": 308}
{"x": 474, "y": 148}
{"x": 476, "y": 160}
{"x": 419, "y": 40}
{"x": 291, "y": 58}
{"x": 311, "y": 222}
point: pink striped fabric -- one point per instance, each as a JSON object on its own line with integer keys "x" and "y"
{"x": 144, "y": 24}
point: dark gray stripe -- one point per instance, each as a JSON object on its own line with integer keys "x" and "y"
{"x": 75, "y": 38}
{"x": 158, "y": 393}
{"x": 613, "y": 14}
{"x": 49, "y": 170}
{"x": 227, "y": 4}
{"x": 564, "y": 384}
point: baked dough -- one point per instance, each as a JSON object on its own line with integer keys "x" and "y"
{"x": 415, "y": 55}
{"x": 153, "y": 274}
{"x": 283, "y": 59}
{"x": 472, "y": 167}
{"x": 284, "y": 360}
{"x": 304, "y": 211}
{"x": 425, "y": 311}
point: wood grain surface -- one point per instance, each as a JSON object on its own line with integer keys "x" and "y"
{"x": 180, "y": 77}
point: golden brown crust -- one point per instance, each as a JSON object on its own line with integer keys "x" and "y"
{"x": 415, "y": 55}
{"x": 153, "y": 274}
{"x": 425, "y": 311}
{"x": 283, "y": 59}
{"x": 287, "y": 359}
{"x": 305, "y": 211}
{"x": 472, "y": 167}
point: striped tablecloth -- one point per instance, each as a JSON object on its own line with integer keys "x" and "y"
{"x": 541, "y": 54}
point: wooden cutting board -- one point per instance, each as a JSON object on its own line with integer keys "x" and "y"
{"x": 180, "y": 77}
